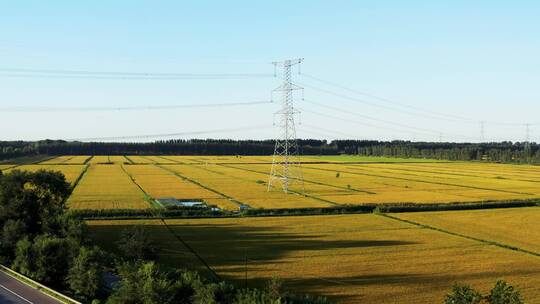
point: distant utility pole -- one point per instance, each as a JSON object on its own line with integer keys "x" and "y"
{"x": 482, "y": 131}
{"x": 527, "y": 132}
{"x": 285, "y": 163}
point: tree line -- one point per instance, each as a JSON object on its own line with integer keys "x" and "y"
{"x": 517, "y": 152}
{"x": 508, "y": 152}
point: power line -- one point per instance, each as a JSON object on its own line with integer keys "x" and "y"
{"x": 146, "y": 136}
{"x": 432, "y": 114}
{"x": 86, "y": 74}
{"x": 328, "y": 131}
{"x": 133, "y": 108}
{"x": 374, "y": 119}
{"x": 386, "y": 99}
{"x": 381, "y": 127}
{"x": 378, "y": 105}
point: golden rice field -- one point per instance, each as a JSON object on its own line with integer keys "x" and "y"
{"x": 107, "y": 187}
{"x": 348, "y": 258}
{"x": 517, "y": 227}
{"x": 228, "y": 181}
{"x": 160, "y": 183}
{"x": 67, "y": 160}
{"x": 71, "y": 172}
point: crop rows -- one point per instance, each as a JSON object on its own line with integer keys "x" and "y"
{"x": 107, "y": 187}
{"x": 350, "y": 258}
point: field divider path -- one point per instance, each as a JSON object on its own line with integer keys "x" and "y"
{"x": 181, "y": 240}
{"x": 196, "y": 162}
{"x": 88, "y": 159}
{"x": 487, "y": 242}
{"x": 79, "y": 178}
{"x": 172, "y": 232}
{"x": 147, "y": 197}
{"x": 424, "y": 181}
{"x": 231, "y": 199}
{"x": 131, "y": 162}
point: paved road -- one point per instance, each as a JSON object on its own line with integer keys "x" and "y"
{"x": 15, "y": 292}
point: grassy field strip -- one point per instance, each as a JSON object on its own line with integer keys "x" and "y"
{"x": 107, "y": 187}
{"x": 427, "y": 182}
{"x": 231, "y": 199}
{"x": 487, "y": 242}
{"x": 130, "y": 161}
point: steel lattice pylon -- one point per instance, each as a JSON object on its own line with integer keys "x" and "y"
{"x": 285, "y": 163}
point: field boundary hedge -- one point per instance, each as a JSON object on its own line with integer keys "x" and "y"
{"x": 90, "y": 214}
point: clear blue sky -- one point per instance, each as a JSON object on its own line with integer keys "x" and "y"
{"x": 473, "y": 59}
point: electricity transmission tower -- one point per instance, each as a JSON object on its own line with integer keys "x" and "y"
{"x": 482, "y": 131}
{"x": 285, "y": 163}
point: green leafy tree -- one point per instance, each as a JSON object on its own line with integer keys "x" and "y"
{"x": 255, "y": 296}
{"x": 12, "y": 232}
{"x": 135, "y": 243}
{"x": 51, "y": 259}
{"x": 24, "y": 257}
{"x": 213, "y": 293}
{"x": 144, "y": 283}
{"x": 274, "y": 288}
{"x": 503, "y": 293}
{"x": 85, "y": 276}
{"x": 33, "y": 198}
{"x": 463, "y": 294}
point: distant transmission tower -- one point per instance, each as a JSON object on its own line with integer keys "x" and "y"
{"x": 482, "y": 131}
{"x": 285, "y": 163}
